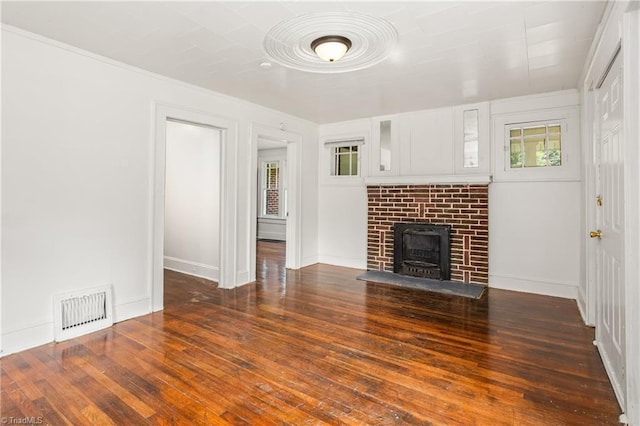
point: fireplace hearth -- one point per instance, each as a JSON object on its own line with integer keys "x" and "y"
{"x": 422, "y": 250}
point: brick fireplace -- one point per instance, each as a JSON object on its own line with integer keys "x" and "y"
{"x": 464, "y": 207}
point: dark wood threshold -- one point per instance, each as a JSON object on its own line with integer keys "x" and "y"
{"x": 317, "y": 346}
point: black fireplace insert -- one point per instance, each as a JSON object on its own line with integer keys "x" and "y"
{"x": 422, "y": 250}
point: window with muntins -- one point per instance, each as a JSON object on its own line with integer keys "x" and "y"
{"x": 541, "y": 145}
{"x": 271, "y": 189}
{"x": 535, "y": 145}
{"x": 345, "y": 161}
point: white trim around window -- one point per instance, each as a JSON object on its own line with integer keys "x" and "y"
{"x": 355, "y": 149}
{"x": 568, "y": 170}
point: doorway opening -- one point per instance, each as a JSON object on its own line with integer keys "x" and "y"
{"x": 192, "y": 199}
{"x": 272, "y": 194}
{"x": 272, "y": 208}
{"x": 225, "y": 175}
{"x": 275, "y": 196}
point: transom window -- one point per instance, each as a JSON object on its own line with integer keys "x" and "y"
{"x": 535, "y": 145}
{"x": 344, "y": 156}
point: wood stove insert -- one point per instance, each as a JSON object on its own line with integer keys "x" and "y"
{"x": 422, "y": 250}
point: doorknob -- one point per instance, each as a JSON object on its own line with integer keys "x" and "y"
{"x": 595, "y": 234}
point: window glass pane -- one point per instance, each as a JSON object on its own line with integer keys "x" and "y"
{"x": 555, "y": 159}
{"x": 532, "y": 131}
{"x": 272, "y": 172}
{"x": 344, "y": 167}
{"x": 385, "y": 145}
{"x": 354, "y": 164}
{"x": 273, "y": 202}
{"x": 534, "y": 152}
{"x": 345, "y": 161}
{"x": 516, "y": 153}
{"x": 554, "y": 128}
{"x": 270, "y": 192}
{"x": 470, "y": 139}
{"x": 270, "y": 203}
{"x": 537, "y": 146}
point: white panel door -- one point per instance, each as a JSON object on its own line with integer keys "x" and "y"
{"x": 609, "y": 238}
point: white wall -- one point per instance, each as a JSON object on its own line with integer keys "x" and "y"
{"x": 77, "y": 179}
{"x": 192, "y": 200}
{"x": 342, "y": 206}
{"x": 535, "y": 222}
{"x": 534, "y": 237}
{"x": 273, "y": 153}
{"x": 343, "y": 226}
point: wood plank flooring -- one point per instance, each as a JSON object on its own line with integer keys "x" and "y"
{"x": 316, "y": 346}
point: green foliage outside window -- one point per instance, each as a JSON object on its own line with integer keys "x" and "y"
{"x": 537, "y": 146}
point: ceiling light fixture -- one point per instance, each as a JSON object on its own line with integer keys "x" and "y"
{"x": 297, "y": 43}
{"x": 331, "y": 48}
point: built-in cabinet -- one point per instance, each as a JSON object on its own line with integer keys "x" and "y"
{"x": 445, "y": 144}
{"x": 427, "y": 143}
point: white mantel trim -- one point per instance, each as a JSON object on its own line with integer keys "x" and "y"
{"x": 425, "y": 180}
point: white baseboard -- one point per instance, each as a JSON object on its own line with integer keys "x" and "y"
{"x": 188, "y": 267}
{"x": 309, "y": 260}
{"x": 133, "y": 309}
{"x": 272, "y": 229}
{"x": 343, "y": 261}
{"x": 243, "y": 278}
{"x": 26, "y": 338}
{"x": 545, "y": 288}
{"x": 41, "y": 334}
{"x": 277, "y": 236}
{"x": 581, "y": 301}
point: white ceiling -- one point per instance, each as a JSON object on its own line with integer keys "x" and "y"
{"x": 448, "y": 52}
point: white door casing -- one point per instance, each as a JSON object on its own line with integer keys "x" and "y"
{"x": 228, "y": 196}
{"x": 610, "y": 284}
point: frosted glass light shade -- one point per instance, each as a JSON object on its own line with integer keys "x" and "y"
{"x": 331, "y": 48}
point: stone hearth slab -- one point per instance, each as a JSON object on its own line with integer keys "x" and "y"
{"x": 473, "y": 291}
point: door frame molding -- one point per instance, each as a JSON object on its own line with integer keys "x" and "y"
{"x": 608, "y": 354}
{"x": 631, "y": 129}
{"x": 228, "y": 198}
{"x": 294, "y": 151}
{"x": 587, "y": 301}
{"x": 627, "y": 18}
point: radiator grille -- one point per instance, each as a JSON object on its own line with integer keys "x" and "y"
{"x": 82, "y": 312}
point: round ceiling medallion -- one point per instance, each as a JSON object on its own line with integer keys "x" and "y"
{"x": 289, "y": 42}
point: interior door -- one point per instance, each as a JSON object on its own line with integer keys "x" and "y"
{"x": 609, "y": 237}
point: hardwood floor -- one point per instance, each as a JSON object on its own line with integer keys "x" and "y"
{"x": 316, "y": 346}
